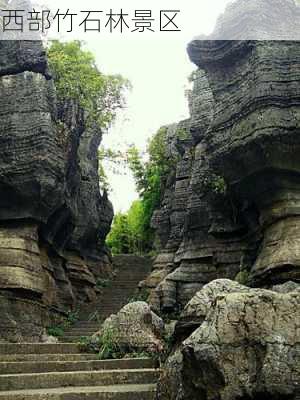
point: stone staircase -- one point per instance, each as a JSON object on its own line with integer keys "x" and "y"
{"x": 64, "y": 371}
{"x": 130, "y": 271}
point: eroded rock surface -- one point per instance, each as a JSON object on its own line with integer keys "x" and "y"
{"x": 53, "y": 218}
{"x": 135, "y": 328}
{"x": 234, "y": 198}
{"x": 240, "y": 221}
{"x": 246, "y": 348}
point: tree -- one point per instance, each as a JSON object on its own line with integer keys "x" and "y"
{"x": 77, "y": 77}
{"x": 118, "y": 238}
{"x": 150, "y": 178}
{"x": 126, "y": 235}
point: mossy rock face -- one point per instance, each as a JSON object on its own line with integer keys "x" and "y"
{"x": 242, "y": 277}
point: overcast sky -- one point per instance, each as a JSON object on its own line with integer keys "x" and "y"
{"x": 158, "y": 69}
{"x": 157, "y": 66}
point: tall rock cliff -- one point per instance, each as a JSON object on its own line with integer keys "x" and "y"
{"x": 53, "y": 218}
{"x": 240, "y": 219}
{"x": 233, "y": 200}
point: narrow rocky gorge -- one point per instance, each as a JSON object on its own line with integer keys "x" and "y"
{"x": 222, "y": 315}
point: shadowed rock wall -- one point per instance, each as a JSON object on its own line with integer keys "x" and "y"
{"x": 53, "y": 218}
{"x": 236, "y": 187}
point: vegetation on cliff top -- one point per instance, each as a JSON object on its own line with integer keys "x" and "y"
{"x": 77, "y": 77}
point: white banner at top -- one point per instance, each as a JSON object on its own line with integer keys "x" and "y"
{"x": 142, "y": 19}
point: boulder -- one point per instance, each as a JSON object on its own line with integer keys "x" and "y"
{"x": 199, "y": 306}
{"x": 246, "y": 348}
{"x": 135, "y": 328}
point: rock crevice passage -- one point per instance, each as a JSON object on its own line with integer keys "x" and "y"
{"x": 129, "y": 271}
{"x": 66, "y": 370}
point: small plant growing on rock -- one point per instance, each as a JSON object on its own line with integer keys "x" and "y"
{"x": 72, "y": 317}
{"x": 103, "y": 283}
{"x": 182, "y": 134}
{"x": 56, "y": 331}
{"x": 109, "y": 347}
{"x": 140, "y": 295}
{"x": 214, "y": 183}
{"x": 59, "y": 330}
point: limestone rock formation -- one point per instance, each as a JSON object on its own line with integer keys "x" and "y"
{"x": 258, "y": 20}
{"x": 53, "y": 218}
{"x": 246, "y": 348}
{"x": 196, "y": 310}
{"x": 135, "y": 328}
{"x": 236, "y": 342}
{"x": 234, "y": 200}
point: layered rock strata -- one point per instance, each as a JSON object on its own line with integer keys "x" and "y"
{"x": 240, "y": 190}
{"x": 53, "y": 218}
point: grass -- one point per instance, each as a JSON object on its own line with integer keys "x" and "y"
{"x": 59, "y": 330}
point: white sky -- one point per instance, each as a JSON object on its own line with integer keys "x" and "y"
{"x": 157, "y": 66}
{"x": 158, "y": 69}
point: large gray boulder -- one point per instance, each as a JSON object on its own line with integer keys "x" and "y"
{"x": 246, "y": 348}
{"x": 135, "y": 328}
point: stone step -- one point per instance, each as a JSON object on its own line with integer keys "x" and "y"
{"x": 47, "y": 357}
{"x": 115, "y": 392}
{"x": 40, "y": 348}
{"x": 72, "y": 339}
{"x": 80, "y": 378}
{"x": 39, "y": 366}
{"x": 86, "y": 324}
{"x": 81, "y": 332}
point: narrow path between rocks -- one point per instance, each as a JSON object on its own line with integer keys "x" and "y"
{"x": 64, "y": 371}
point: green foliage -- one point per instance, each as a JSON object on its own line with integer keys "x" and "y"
{"x": 115, "y": 159}
{"x": 109, "y": 347}
{"x": 77, "y": 77}
{"x": 103, "y": 179}
{"x": 127, "y": 233}
{"x": 72, "y": 317}
{"x": 105, "y": 345}
{"x": 131, "y": 232}
{"x": 89, "y": 344}
{"x": 150, "y": 178}
{"x": 182, "y": 134}
{"x": 242, "y": 277}
{"x": 140, "y": 295}
{"x": 57, "y": 331}
{"x": 103, "y": 283}
{"x": 214, "y": 183}
{"x": 118, "y": 237}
